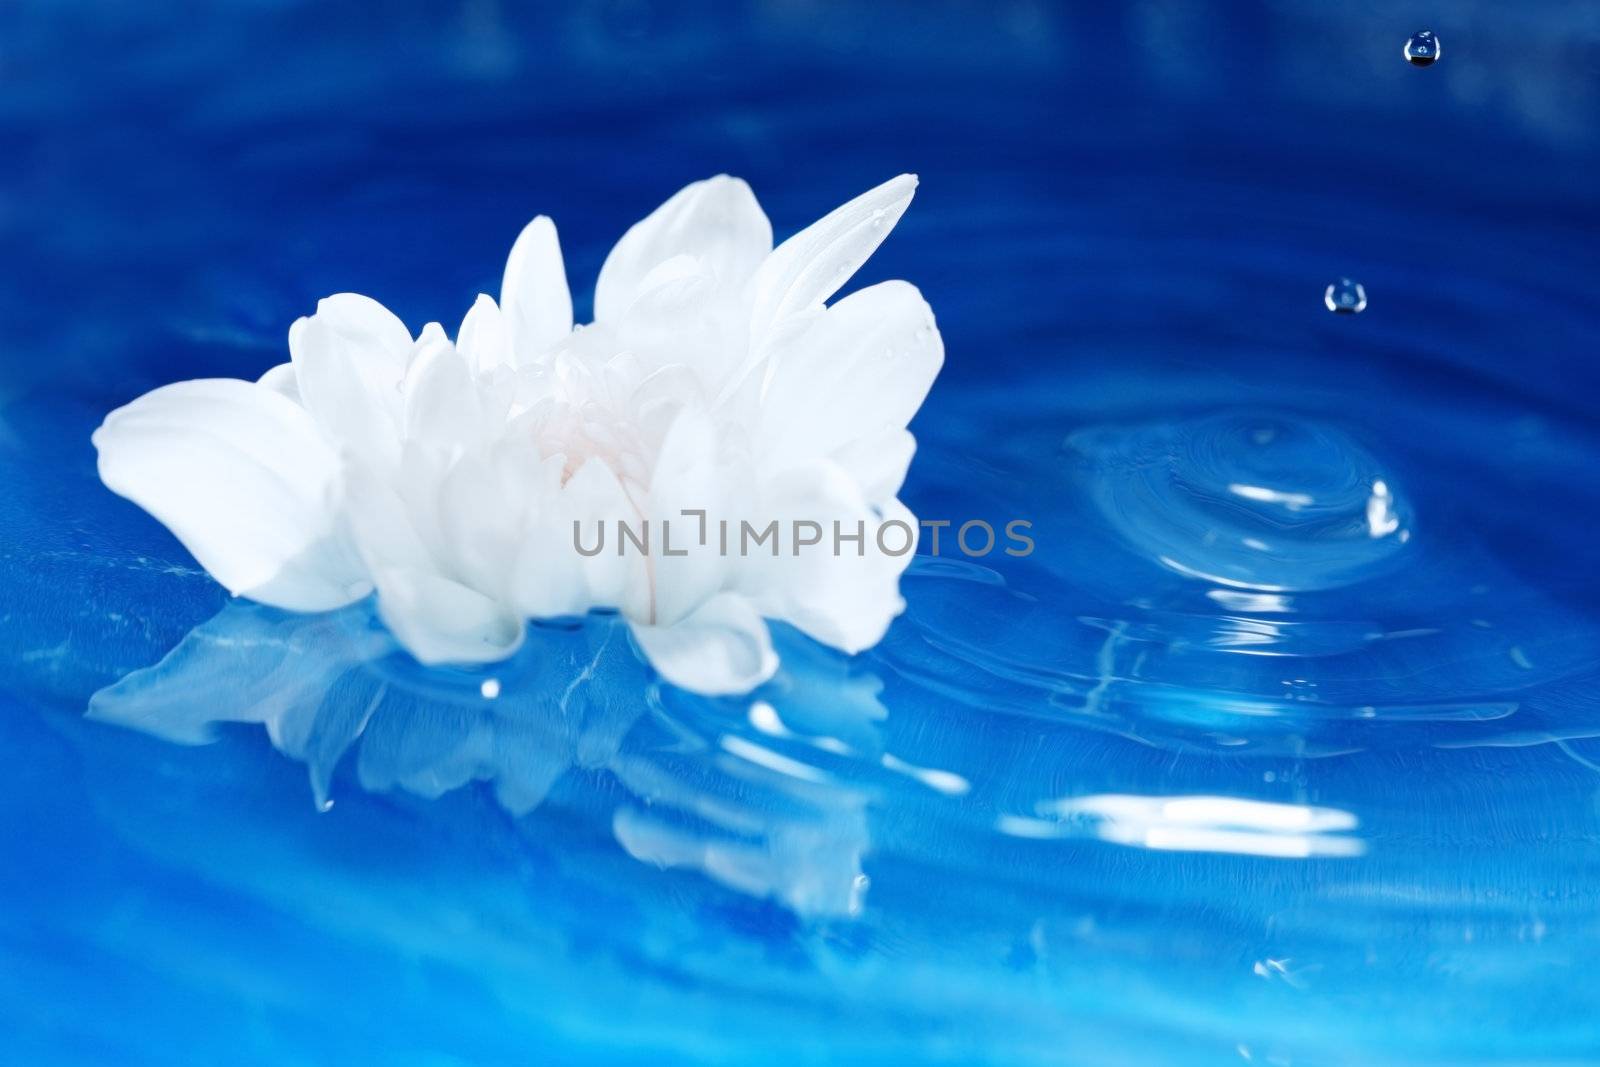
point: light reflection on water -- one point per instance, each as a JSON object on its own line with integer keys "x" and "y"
{"x": 1195, "y": 824}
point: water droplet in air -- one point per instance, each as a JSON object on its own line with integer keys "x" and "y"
{"x": 1422, "y": 49}
{"x": 1345, "y": 297}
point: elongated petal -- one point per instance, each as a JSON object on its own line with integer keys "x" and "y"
{"x": 859, "y": 372}
{"x": 687, "y": 478}
{"x": 684, "y": 321}
{"x": 442, "y": 621}
{"x": 484, "y": 340}
{"x": 809, "y": 267}
{"x": 415, "y": 482}
{"x": 441, "y": 405}
{"x": 716, "y": 221}
{"x": 723, "y": 647}
{"x": 841, "y": 591}
{"x": 349, "y": 359}
{"x": 595, "y": 500}
{"x": 534, "y": 294}
{"x": 368, "y": 326}
{"x": 242, "y": 477}
{"x": 549, "y": 576}
{"x": 380, "y": 524}
{"x": 483, "y": 502}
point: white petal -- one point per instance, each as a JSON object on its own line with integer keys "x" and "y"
{"x": 844, "y": 598}
{"x": 534, "y": 294}
{"x": 482, "y": 505}
{"x": 349, "y": 359}
{"x": 724, "y": 647}
{"x": 859, "y": 372}
{"x": 716, "y": 221}
{"x": 441, "y": 403}
{"x": 809, "y": 267}
{"x": 686, "y": 478}
{"x": 381, "y": 526}
{"x": 594, "y": 499}
{"x": 367, "y": 325}
{"x": 685, "y": 321}
{"x": 878, "y": 464}
{"x": 546, "y": 582}
{"x": 442, "y": 621}
{"x": 280, "y": 379}
{"x": 672, "y": 276}
{"x": 241, "y": 476}
{"x": 549, "y": 575}
{"x": 415, "y": 482}
{"x": 483, "y": 340}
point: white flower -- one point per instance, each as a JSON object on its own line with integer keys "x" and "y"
{"x": 448, "y": 476}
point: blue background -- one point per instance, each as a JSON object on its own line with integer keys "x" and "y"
{"x": 1127, "y": 216}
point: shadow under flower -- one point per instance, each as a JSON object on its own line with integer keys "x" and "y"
{"x": 747, "y": 791}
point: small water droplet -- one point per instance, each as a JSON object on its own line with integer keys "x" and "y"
{"x": 490, "y": 688}
{"x": 1422, "y": 49}
{"x": 1345, "y": 297}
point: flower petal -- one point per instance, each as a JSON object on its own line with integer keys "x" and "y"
{"x": 380, "y": 523}
{"x": 441, "y": 621}
{"x": 684, "y": 322}
{"x": 349, "y": 359}
{"x": 858, "y": 372}
{"x": 722, "y": 648}
{"x": 841, "y": 593}
{"x": 687, "y": 569}
{"x": 241, "y": 476}
{"x": 549, "y": 577}
{"x": 716, "y": 221}
{"x": 533, "y": 294}
{"x": 809, "y": 267}
{"x": 594, "y": 499}
{"x": 368, "y": 326}
{"x": 484, "y": 340}
{"x": 878, "y": 464}
{"x": 483, "y": 504}
{"x": 441, "y": 404}
{"x": 280, "y": 379}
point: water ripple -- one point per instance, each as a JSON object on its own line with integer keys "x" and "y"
{"x": 1256, "y": 501}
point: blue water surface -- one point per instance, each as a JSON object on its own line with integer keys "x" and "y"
{"x": 1283, "y": 747}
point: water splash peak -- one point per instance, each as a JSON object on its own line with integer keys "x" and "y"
{"x": 1257, "y": 501}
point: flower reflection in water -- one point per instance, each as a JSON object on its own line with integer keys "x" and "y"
{"x": 740, "y": 790}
